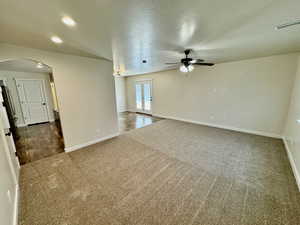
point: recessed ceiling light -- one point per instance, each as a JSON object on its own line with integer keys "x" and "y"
{"x": 285, "y": 25}
{"x": 56, "y": 40}
{"x": 68, "y": 21}
{"x": 39, "y": 65}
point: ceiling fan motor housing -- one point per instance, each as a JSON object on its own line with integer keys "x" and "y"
{"x": 186, "y": 61}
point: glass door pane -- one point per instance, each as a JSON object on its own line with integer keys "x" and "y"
{"x": 147, "y": 96}
{"x": 138, "y": 96}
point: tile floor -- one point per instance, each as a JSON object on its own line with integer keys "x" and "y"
{"x": 38, "y": 141}
{"x": 129, "y": 121}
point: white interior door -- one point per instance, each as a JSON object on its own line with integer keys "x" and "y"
{"x": 143, "y": 93}
{"x": 33, "y": 101}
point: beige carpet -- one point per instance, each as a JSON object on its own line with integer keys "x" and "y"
{"x": 169, "y": 173}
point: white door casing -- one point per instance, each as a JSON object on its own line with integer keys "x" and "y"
{"x": 8, "y": 142}
{"x": 8, "y": 183}
{"x": 143, "y": 96}
{"x": 33, "y": 100}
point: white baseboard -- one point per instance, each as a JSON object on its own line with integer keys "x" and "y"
{"x": 290, "y": 156}
{"x": 292, "y": 162}
{"x": 123, "y": 110}
{"x": 261, "y": 133}
{"x": 22, "y": 125}
{"x": 79, "y": 146}
{"x": 16, "y": 206}
{"x": 25, "y": 125}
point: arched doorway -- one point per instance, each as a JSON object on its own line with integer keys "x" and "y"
{"x": 30, "y": 101}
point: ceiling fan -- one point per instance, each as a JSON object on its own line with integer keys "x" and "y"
{"x": 188, "y": 63}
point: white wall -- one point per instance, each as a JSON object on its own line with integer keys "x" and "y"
{"x": 250, "y": 95}
{"x": 120, "y": 94}
{"x": 292, "y": 129}
{"x": 10, "y": 77}
{"x": 85, "y": 91}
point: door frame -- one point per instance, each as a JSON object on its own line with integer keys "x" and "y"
{"x": 11, "y": 157}
{"x": 4, "y": 80}
{"x": 10, "y": 137}
{"x": 44, "y": 93}
{"x": 150, "y": 80}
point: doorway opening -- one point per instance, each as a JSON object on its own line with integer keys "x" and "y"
{"x": 143, "y": 96}
{"x": 130, "y": 119}
{"x": 32, "y": 112}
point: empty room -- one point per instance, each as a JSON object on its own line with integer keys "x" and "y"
{"x": 150, "y": 112}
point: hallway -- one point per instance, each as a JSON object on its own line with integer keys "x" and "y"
{"x": 38, "y": 141}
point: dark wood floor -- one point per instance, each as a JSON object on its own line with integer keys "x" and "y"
{"x": 129, "y": 121}
{"x": 38, "y": 141}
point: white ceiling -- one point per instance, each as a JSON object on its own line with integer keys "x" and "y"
{"x": 24, "y": 65}
{"x": 129, "y": 31}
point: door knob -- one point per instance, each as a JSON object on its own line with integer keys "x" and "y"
{"x": 43, "y": 103}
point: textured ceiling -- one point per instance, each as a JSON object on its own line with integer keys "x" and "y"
{"x": 129, "y": 31}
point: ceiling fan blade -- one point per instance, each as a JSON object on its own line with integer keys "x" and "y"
{"x": 171, "y": 63}
{"x": 204, "y": 64}
{"x": 197, "y": 61}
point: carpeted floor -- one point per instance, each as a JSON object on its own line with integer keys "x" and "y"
{"x": 169, "y": 173}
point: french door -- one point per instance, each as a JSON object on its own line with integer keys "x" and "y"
{"x": 143, "y": 96}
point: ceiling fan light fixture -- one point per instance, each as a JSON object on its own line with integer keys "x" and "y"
{"x": 190, "y": 68}
{"x": 186, "y": 68}
{"x": 183, "y": 69}
{"x": 187, "y": 63}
